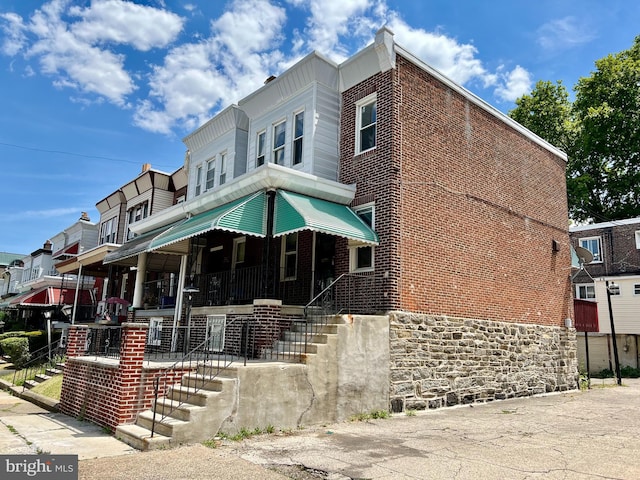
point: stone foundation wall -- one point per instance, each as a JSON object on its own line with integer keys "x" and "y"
{"x": 439, "y": 361}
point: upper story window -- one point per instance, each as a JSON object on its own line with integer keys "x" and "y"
{"x": 223, "y": 168}
{"x": 636, "y": 288}
{"x": 366, "y": 124}
{"x": 198, "y": 180}
{"x": 586, "y": 291}
{"x": 298, "y": 132}
{"x": 593, "y": 245}
{"x": 279, "y": 131}
{"x": 637, "y": 239}
{"x": 108, "y": 231}
{"x": 260, "y": 146}
{"x": 136, "y": 214}
{"x": 289, "y": 257}
{"x": 361, "y": 256}
{"x": 211, "y": 174}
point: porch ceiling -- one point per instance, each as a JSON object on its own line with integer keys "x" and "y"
{"x": 295, "y": 212}
{"x": 246, "y": 215}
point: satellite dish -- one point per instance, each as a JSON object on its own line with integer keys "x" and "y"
{"x": 584, "y": 256}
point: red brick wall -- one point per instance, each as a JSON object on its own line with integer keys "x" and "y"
{"x": 466, "y": 207}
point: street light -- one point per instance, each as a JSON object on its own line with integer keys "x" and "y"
{"x": 189, "y": 290}
{"x": 614, "y": 289}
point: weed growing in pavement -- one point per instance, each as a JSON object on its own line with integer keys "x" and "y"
{"x": 12, "y": 429}
{"x": 211, "y": 443}
{"x": 411, "y": 413}
{"x": 362, "y": 417}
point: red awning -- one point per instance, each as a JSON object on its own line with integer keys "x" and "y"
{"x": 71, "y": 250}
{"x": 51, "y": 296}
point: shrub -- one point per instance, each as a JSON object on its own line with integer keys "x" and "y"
{"x": 18, "y": 350}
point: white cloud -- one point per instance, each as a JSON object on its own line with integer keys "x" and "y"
{"x": 564, "y": 33}
{"x": 514, "y": 84}
{"x": 46, "y": 213}
{"x": 126, "y": 23}
{"x": 457, "y": 61}
{"x": 73, "y": 53}
{"x": 197, "y": 78}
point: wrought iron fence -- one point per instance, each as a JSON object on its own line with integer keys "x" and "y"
{"x": 205, "y": 365}
{"x": 103, "y": 341}
{"x": 46, "y": 358}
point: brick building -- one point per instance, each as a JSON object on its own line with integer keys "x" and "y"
{"x": 384, "y": 188}
{"x": 615, "y": 247}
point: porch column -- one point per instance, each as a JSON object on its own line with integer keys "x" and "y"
{"x": 177, "y": 311}
{"x": 267, "y": 274}
{"x": 141, "y": 273}
{"x": 75, "y": 298}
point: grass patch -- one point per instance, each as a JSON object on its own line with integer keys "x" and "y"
{"x": 50, "y": 388}
{"x": 362, "y": 417}
{"x": 411, "y": 413}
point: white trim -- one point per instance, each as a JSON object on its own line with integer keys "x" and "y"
{"x": 372, "y": 98}
{"x": 614, "y": 223}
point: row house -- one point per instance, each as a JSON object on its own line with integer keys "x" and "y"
{"x": 428, "y": 225}
{"x": 615, "y": 252}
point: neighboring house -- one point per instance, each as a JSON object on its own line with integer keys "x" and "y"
{"x": 615, "y": 247}
{"x": 147, "y": 194}
{"x": 380, "y": 190}
{"x": 8, "y": 280}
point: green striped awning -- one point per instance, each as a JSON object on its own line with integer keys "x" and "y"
{"x": 247, "y": 215}
{"x": 295, "y": 212}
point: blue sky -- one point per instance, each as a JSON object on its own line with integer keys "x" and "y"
{"x": 91, "y": 90}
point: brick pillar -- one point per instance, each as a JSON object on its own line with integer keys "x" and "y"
{"x": 77, "y": 340}
{"x": 129, "y": 378}
{"x": 268, "y": 322}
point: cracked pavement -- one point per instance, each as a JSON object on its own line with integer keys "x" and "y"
{"x": 574, "y": 435}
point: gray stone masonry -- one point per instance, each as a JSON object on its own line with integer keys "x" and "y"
{"x": 439, "y": 361}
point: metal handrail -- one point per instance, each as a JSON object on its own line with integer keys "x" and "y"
{"x": 186, "y": 363}
{"x": 54, "y": 353}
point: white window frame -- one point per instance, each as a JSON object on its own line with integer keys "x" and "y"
{"x": 223, "y": 168}
{"x": 355, "y": 246}
{"x": 154, "y": 336}
{"x": 586, "y": 287}
{"x": 261, "y": 144}
{"x": 597, "y": 258}
{"x": 368, "y": 100}
{"x": 637, "y": 235}
{"x": 109, "y": 230}
{"x": 210, "y": 180}
{"x": 237, "y": 249}
{"x": 297, "y": 138}
{"x": 216, "y": 325}
{"x": 279, "y": 148}
{"x": 636, "y": 289}
{"x": 198, "y": 180}
{"x": 284, "y": 256}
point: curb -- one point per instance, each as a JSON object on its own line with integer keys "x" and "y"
{"x": 40, "y": 400}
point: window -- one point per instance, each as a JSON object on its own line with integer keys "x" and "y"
{"x": 223, "y": 168}
{"x": 154, "y": 336}
{"x": 211, "y": 174}
{"x": 366, "y": 124}
{"x": 278, "y": 142}
{"x": 361, "y": 255}
{"x": 593, "y": 245}
{"x": 108, "y": 231}
{"x": 586, "y": 292}
{"x": 260, "y": 144}
{"x": 198, "y": 180}
{"x": 638, "y": 239}
{"x": 289, "y": 257}
{"x": 136, "y": 214}
{"x": 636, "y": 288}
{"x": 298, "y": 131}
{"x": 239, "y": 248}
{"x": 215, "y": 332}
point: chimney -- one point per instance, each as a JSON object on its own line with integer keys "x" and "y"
{"x": 85, "y": 217}
{"x": 47, "y": 245}
{"x": 146, "y": 167}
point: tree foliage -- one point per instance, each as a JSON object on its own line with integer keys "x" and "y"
{"x": 600, "y": 132}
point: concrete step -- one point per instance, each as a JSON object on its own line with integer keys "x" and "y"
{"x": 164, "y": 426}
{"x": 297, "y": 347}
{"x": 204, "y": 382}
{"x": 175, "y": 409}
{"x": 184, "y": 394}
{"x": 42, "y": 377}
{"x": 140, "y": 437}
{"x": 330, "y": 328}
{"x": 290, "y": 336}
{"x": 51, "y": 371}
{"x": 29, "y": 384}
{"x": 288, "y": 357}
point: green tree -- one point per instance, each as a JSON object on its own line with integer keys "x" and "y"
{"x": 547, "y": 113}
{"x": 605, "y": 170}
{"x": 600, "y": 132}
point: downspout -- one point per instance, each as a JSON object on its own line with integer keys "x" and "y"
{"x": 313, "y": 265}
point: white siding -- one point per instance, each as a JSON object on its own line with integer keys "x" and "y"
{"x": 625, "y": 307}
{"x": 326, "y": 134}
{"x": 161, "y": 199}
